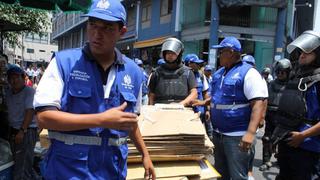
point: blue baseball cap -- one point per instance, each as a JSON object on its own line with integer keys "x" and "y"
{"x": 208, "y": 68}
{"x": 138, "y": 61}
{"x": 14, "y": 69}
{"x": 192, "y": 58}
{"x": 249, "y": 59}
{"x": 161, "y": 61}
{"x": 108, "y": 10}
{"x": 229, "y": 42}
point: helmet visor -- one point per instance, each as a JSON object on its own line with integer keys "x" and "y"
{"x": 307, "y": 42}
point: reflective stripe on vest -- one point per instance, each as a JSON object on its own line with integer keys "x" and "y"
{"x": 229, "y": 106}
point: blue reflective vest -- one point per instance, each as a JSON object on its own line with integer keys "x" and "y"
{"x": 199, "y": 78}
{"x": 313, "y": 112}
{"x": 83, "y": 93}
{"x": 230, "y": 110}
{"x": 145, "y": 83}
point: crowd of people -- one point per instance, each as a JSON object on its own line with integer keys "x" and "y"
{"x": 88, "y": 98}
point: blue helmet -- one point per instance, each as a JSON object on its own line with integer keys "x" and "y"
{"x": 249, "y": 59}
{"x": 161, "y": 61}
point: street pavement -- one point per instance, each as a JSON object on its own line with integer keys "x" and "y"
{"x": 269, "y": 174}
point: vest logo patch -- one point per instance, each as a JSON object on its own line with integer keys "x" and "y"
{"x": 236, "y": 76}
{"x": 79, "y": 75}
{"x": 127, "y": 82}
{"x": 103, "y": 4}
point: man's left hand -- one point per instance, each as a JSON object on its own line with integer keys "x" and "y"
{"x": 246, "y": 142}
{"x": 296, "y": 139}
{"x": 19, "y": 137}
{"x": 149, "y": 169}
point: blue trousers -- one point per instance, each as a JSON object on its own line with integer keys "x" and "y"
{"x": 23, "y": 155}
{"x": 230, "y": 162}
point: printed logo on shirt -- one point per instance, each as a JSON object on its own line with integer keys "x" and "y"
{"x": 103, "y": 4}
{"x": 236, "y": 76}
{"x": 127, "y": 82}
{"x": 79, "y": 75}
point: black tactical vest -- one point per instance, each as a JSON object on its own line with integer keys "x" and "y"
{"x": 172, "y": 85}
{"x": 292, "y": 106}
{"x": 275, "y": 90}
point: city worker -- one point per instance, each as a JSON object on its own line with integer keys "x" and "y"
{"x": 237, "y": 107}
{"x": 202, "y": 90}
{"x": 172, "y": 82}
{"x": 88, "y": 98}
{"x": 298, "y": 115}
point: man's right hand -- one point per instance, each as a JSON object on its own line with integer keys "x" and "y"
{"x": 116, "y": 118}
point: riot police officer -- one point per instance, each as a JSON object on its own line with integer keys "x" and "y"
{"x": 172, "y": 82}
{"x": 299, "y": 112}
{"x": 275, "y": 90}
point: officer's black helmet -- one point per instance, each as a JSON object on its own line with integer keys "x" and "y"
{"x": 283, "y": 65}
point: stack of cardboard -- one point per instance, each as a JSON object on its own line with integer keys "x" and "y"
{"x": 176, "y": 141}
{"x": 171, "y": 134}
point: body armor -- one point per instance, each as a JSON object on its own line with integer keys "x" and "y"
{"x": 172, "y": 85}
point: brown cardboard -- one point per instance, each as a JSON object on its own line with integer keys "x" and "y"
{"x": 165, "y": 169}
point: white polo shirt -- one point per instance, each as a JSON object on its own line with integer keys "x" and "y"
{"x": 254, "y": 87}
{"x": 50, "y": 87}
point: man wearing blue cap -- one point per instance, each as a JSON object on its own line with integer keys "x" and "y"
{"x": 202, "y": 90}
{"x": 23, "y": 127}
{"x": 237, "y": 107}
{"x": 88, "y": 98}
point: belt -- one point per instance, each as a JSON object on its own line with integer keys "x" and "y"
{"x": 71, "y": 139}
{"x": 229, "y": 106}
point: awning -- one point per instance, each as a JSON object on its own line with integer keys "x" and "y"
{"x": 64, "y": 5}
{"x": 149, "y": 42}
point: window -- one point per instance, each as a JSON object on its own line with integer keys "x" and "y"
{"x": 44, "y": 38}
{"x": 42, "y": 50}
{"x": 146, "y": 11}
{"x": 166, "y": 7}
{"x": 30, "y": 50}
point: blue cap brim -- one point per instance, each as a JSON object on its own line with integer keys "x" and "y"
{"x": 102, "y": 17}
{"x": 197, "y": 61}
{"x": 217, "y": 46}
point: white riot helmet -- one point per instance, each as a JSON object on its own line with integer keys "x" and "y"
{"x": 172, "y": 44}
{"x": 307, "y": 42}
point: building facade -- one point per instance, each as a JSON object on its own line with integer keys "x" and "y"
{"x": 36, "y": 48}
{"x": 261, "y": 26}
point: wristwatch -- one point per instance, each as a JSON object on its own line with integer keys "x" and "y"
{"x": 24, "y": 130}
